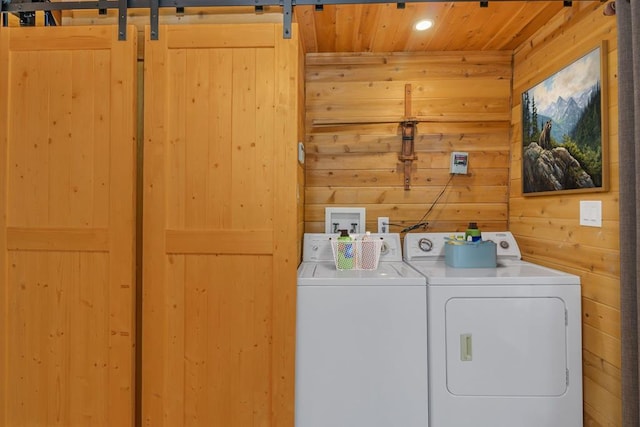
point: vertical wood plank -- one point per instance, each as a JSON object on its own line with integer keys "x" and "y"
{"x": 59, "y": 137}
{"x": 243, "y": 138}
{"x": 219, "y": 171}
{"x": 154, "y": 351}
{"x": 285, "y": 238}
{"x": 101, "y": 136}
{"x": 123, "y": 115}
{"x": 177, "y": 132}
{"x": 266, "y": 138}
{"x": 4, "y": 271}
{"x": 81, "y": 173}
{"x": 196, "y": 156}
{"x": 176, "y": 365}
{"x": 196, "y": 331}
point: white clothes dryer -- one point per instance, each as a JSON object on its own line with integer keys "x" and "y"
{"x": 361, "y": 340}
{"x": 504, "y": 343}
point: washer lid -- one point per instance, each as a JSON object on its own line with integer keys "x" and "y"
{"x": 387, "y": 273}
{"x": 508, "y": 272}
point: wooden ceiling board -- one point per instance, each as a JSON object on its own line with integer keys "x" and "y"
{"x": 367, "y": 25}
{"x": 305, "y": 19}
{"x": 326, "y": 40}
{"x": 458, "y": 26}
{"x": 529, "y": 20}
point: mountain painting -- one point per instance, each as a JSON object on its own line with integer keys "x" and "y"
{"x": 562, "y": 137}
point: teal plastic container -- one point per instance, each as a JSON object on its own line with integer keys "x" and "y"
{"x": 482, "y": 254}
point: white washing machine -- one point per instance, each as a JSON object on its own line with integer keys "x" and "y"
{"x": 504, "y": 342}
{"x": 361, "y": 340}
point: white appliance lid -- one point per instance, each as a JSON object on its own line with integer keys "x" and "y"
{"x": 387, "y": 274}
{"x": 508, "y": 272}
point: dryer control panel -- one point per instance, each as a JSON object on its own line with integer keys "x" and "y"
{"x": 430, "y": 246}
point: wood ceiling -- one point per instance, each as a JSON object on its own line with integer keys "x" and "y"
{"x": 458, "y": 26}
{"x": 380, "y": 27}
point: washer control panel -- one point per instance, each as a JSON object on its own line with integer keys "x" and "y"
{"x": 317, "y": 246}
{"x": 430, "y": 246}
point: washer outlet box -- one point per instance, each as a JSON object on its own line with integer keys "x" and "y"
{"x": 459, "y": 162}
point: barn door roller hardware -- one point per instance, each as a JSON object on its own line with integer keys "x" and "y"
{"x": 22, "y": 6}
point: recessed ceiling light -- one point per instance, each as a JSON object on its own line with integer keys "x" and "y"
{"x": 425, "y": 24}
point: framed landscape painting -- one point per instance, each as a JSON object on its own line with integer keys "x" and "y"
{"x": 564, "y": 129}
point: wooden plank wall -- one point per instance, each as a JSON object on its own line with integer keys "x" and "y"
{"x": 67, "y": 227}
{"x": 547, "y": 227}
{"x": 354, "y": 104}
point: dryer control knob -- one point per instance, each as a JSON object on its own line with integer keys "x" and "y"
{"x": 425, "y": 244}
{"x": 504, "y": 244}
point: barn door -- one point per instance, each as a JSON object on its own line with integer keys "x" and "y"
{"x": 219, "y": 231}
{"x": 67, "y": 150}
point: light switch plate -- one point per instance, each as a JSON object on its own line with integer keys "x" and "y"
{"x": 591, "y": 213}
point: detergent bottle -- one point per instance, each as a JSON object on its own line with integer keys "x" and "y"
{"x": 345, "y": 251}
{"x": 472, "y": 234}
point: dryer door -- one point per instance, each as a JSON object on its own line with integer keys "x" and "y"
{"x": 514, "y": 346}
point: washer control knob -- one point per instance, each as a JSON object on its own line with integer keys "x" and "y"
{"x": 384, "y": 248}
{"x": 425, "y": 244}
{"x": 504, "y": 244}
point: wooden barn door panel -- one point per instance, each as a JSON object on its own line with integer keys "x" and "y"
{"x": 67, "y": 174}
{"x": 219, "y": 232}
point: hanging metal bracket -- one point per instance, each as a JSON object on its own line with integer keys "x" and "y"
{"x": 154, "y": 11}
{"x": 122, "y": 20}
{"x": 287, "y": 11}
{"x": 407, "y": 156}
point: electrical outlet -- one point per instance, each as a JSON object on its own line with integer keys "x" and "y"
{"x": 383, "y": 224}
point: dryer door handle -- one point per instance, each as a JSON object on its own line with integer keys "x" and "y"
{"x": 466, "y": 347}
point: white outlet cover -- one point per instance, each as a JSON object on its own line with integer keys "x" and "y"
{"x": 383, "y": 224}
{"x": 591, "y": 213}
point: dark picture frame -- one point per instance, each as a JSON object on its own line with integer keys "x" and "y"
{"x": 564, "y": 129}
